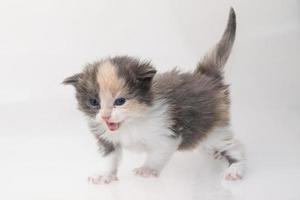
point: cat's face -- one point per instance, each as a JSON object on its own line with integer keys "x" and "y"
{"x": 114, "y": 91}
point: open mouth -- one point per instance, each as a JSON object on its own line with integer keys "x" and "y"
{"x": 112, "y": 126}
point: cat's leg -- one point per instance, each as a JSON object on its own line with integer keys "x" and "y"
{"x": 158, "y": 155}
{"x": 222, "y": 145}
{"x": 110, "y": 157}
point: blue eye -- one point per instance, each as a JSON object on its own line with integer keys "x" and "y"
{"x": 94, "y": 102}
{"x": 119, "y": 101}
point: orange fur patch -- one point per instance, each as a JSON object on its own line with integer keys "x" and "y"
{"x": 110, "y": 85}
{"x": 135, "y": 106}
{"x": 108, "y": 79}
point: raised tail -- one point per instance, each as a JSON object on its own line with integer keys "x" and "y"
{"x": 213, "y": 62}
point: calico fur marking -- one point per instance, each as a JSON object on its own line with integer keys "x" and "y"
{"x": 160, "y": 113}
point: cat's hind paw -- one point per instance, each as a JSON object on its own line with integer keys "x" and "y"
{"x": 102, "y": 179}
{"x": 146, "y": 172}
{"x": 234, "y": 172}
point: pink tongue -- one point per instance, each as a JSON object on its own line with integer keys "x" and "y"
{"x": 112, "y": 126}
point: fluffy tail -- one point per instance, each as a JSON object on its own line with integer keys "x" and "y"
{"x": 213, "y": 62}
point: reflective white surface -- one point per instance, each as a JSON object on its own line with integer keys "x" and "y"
{"x": 46, "y": 151}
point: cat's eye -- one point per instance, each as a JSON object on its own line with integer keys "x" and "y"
{"x": 119, "y": 101}
{"x": 94, "y": 102}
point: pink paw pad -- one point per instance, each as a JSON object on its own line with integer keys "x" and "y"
{"x": 233, "y": 177}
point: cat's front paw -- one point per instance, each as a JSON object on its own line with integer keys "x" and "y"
{"x": 146, "y": 172}
{"x": 102, "y": 179}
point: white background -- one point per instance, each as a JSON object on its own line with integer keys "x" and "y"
{"x": 46, "y": 151}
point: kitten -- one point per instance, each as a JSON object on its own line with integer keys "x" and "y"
{"x": 129, "y": 106}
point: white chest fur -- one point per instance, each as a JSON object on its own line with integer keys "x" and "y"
{"x": 145, "y": 132}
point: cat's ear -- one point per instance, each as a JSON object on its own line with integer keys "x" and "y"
{"x": 72, "y": 80}
{"x": 145, "y": 71}
{"x": 144, "y": 75}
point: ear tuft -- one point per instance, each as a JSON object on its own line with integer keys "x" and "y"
{"x": 145, "y": 71}
{"x": 72, "y": 80}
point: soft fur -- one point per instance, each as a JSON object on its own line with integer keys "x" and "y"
{"x": 163, "y": 112}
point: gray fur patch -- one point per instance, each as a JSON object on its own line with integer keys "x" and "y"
{"x": 193, "y": 104}
{"x": 213, "y": 63}
{"x": 86, "y": 88}
{"x": 230, "y": 159}
{"x": 138, "y": 76}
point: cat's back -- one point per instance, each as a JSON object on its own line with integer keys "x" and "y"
{"x": 176, "y": 86}
{"x": 197, "y": 103}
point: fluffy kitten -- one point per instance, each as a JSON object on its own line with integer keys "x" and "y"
{"x": 130, "y": 106}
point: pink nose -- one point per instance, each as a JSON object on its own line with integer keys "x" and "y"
{"x": 105, "y": 118}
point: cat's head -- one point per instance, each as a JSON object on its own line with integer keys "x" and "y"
{"x": 114, "y": 90}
